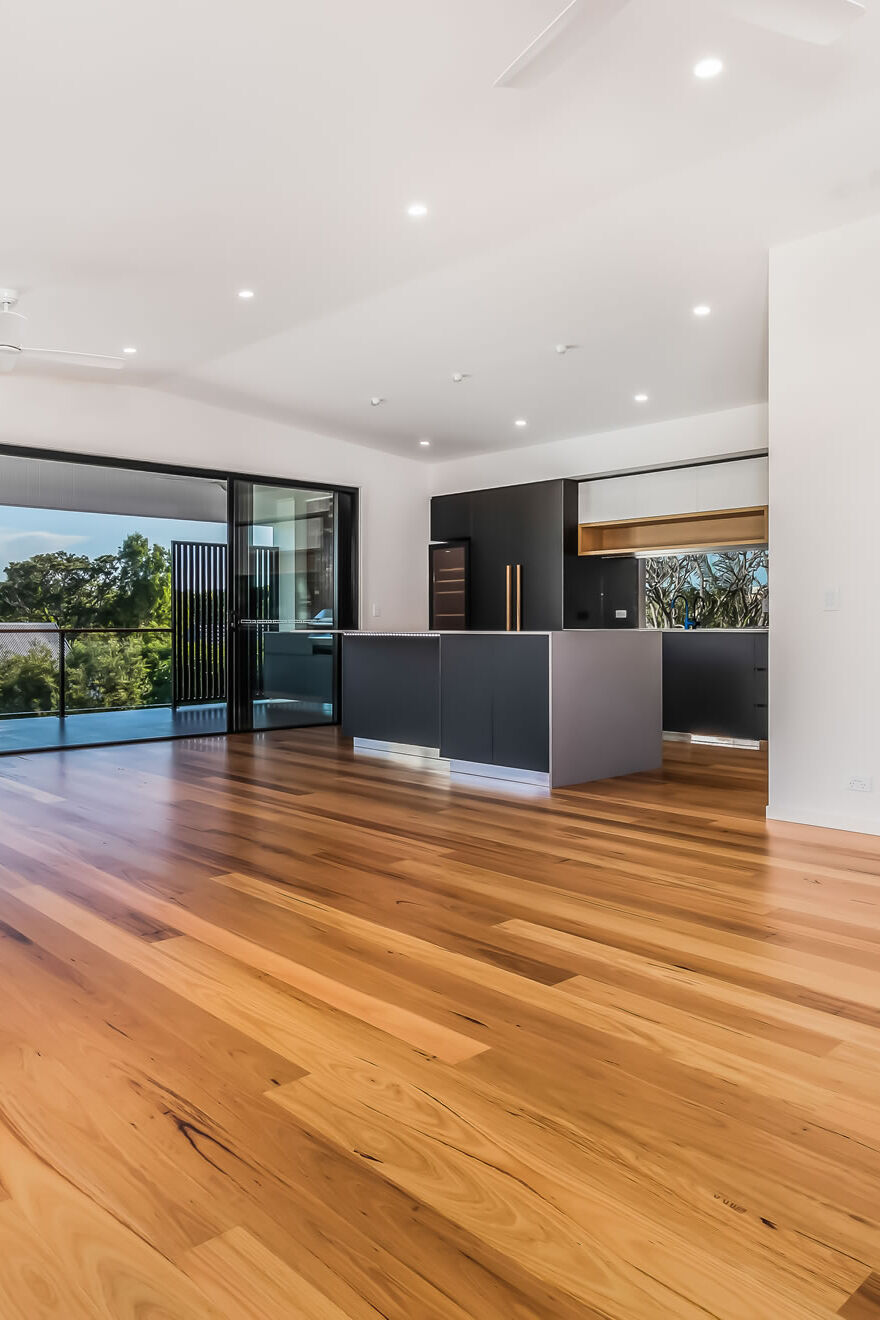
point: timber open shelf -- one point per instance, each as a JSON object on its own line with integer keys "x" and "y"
{"x": 711, "y": 529}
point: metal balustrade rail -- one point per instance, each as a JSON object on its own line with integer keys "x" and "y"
{"x": 22, "y": 639}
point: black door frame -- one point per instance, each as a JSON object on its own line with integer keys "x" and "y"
{"x": 346, "y": 560}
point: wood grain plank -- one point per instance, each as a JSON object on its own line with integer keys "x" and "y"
{"x": 282, "y": 1020}
{"x": 33, "y": 1284}
{"x": 121, "y": 1275}
{"x": 244, "y": 1279}
{"x": 865, "y": 1303}
{"x": 430, "y": 1037}
{"x": 581, "y": 1243}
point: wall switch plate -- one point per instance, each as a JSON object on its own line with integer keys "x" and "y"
{"x": 620, "y": 614}
{"x": 861, "y": 784}
{"x": 377, "y": 611}
{"x": 832, "y": 598}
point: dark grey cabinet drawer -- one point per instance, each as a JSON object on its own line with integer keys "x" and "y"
{"x": 391, "y": 689}
{"x": 495, "y": 700}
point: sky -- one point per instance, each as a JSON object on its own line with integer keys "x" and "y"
{"x": 25, "y": 532}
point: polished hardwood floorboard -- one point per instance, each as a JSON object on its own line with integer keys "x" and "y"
{"x": 288, "y": 1033}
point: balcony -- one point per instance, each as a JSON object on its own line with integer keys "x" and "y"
{"x": 69, "y": 687}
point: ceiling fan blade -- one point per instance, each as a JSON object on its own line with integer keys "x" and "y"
{"x": 72, "y": 359}
{"x": 580, "y": 18}
{"x": 818, "y": 21}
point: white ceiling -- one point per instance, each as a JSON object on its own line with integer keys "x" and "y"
{"x": 159, "y": 157}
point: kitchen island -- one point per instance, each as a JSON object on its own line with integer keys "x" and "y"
{"x": 552, "y": 708}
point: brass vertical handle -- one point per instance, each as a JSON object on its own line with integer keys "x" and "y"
{"x": 519, "y": 597}
{"x": 508, "y": 567}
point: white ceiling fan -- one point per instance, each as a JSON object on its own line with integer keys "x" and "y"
{"x": 12, "y": 325}
{"x": 819, "y": 22}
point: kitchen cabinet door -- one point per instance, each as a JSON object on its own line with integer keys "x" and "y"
{"x": 495, "y": 701}
{"x": 521, "y": 703}
{"x": 466, "y": 670}
{"x": 490, "y": 553}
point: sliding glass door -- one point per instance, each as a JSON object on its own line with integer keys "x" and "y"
{"x": 144, "y": 602}
{"x": 106, "y": 632}
{"x": 291, "y": 594}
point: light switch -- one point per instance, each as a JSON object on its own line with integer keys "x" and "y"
{"x": 377, "y": 611}
{"x": 832, "y": 598}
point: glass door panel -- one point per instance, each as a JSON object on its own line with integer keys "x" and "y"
{"x": 284, "y": 644}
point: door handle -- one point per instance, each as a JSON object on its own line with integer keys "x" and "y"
{"x": 508, "y": 568}
{"x": 519, "y": 597}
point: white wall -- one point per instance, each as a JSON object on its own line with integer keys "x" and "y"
{"x": 737, "y": 485}
{"x": 709, "y": 435}
{"x": 825, "y": 528}
{"x": 123, "y": 421}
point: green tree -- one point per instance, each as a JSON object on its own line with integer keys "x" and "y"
{"x": 68, "y": 590}
{"x": 142, "y": 584}
{"x": 157, "y": 658}
{"x": 29, "y": 682}
{"x": 129, "y": 589}
{"x": 106, "y": 671}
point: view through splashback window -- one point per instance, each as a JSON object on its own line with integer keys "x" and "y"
{"x": 717, "y": 589}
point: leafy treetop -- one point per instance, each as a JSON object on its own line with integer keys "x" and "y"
{"x": 131, "y": 589}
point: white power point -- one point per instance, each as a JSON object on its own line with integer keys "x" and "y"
{"x": 861, "y": 784}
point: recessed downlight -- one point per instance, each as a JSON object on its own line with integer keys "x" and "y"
{"x": 417, "y": 210}
{"x": 425, "y": 444}
{"x": 245, "y": 294}
{"x": 130, "y": 349}
{"x": 376, "y": 400}
{"x": 702, "y": 309}
{"x": 708, "y": 67}
{"x": 520, "y": 421}
{"x": 640, "y": 398}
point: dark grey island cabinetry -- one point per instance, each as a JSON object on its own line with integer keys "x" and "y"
{"x": 495, "y": 700}
{"x": 554, "y": 708}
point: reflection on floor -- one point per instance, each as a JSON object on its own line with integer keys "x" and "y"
{"x": 91, "y": 728}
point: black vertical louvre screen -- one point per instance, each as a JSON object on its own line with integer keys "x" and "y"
{"x": 198, "y": 618}
{"x": 198, "y": 622}
{"x": 263, "y": 573}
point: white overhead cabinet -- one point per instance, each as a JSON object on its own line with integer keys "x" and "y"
{"x": 702, "y": 507}
{"x": 738, "y": 484}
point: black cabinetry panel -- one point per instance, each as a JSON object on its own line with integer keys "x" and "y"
{"x": 451, "y": 517}
{"x": 466, "y": 679}
{"x": 715, "y": 684}
{"x": 597, "y": 587}
{"x": 526, "y": 525}
{"x": 495, "y": 701}
{"x": 391, "y": 689}
{"x": 521, "y": 703}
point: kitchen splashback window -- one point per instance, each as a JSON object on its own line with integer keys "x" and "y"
{"x": 712, "y": 589}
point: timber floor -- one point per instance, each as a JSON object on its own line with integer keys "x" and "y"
{"x": 292, "y": 1035}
